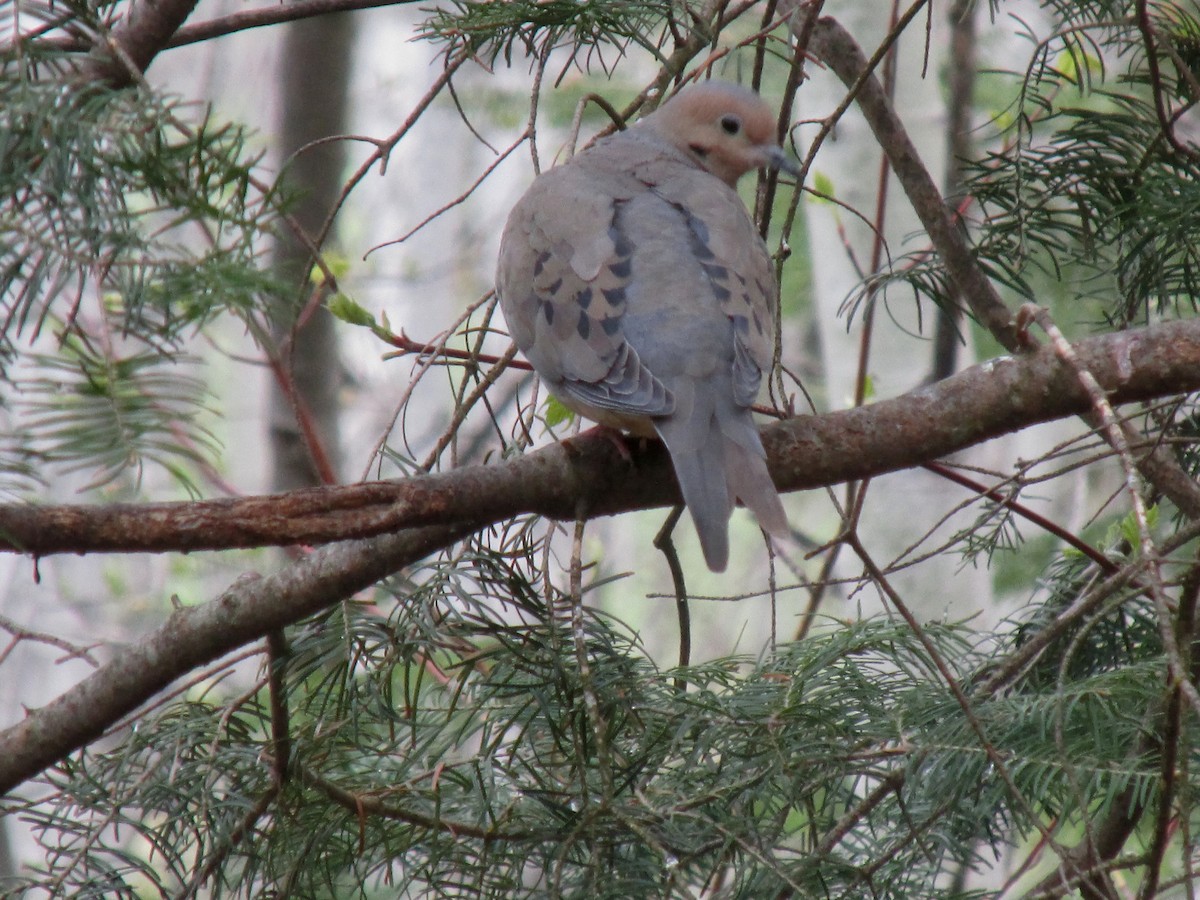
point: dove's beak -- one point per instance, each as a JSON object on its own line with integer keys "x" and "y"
{"x": 778, "y": 158}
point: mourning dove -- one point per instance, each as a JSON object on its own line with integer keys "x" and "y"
{"x": 635, "y": 282}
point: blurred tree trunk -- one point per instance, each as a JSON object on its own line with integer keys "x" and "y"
{"x": 948, "y": 333}
{"x": 314, "y": 77}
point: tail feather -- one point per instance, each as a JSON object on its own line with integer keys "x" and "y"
{"x": 699, "y": 462}
{"x": 751, "y": 483}
{"x": 718, "y": 457}
{"x": 701, "y": 475}
{"x": 746, "y": 468}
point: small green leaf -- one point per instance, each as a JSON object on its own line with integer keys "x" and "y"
{"x": 555, "y": 413}
{"x": 1003, "y": 119}
{"x": 350, "y": 311}
{"x": 1068, "y": 65}
{"x": 1129, "y": 526}
{"x": 114, "y": 301}
{"x": 337, "y": 265}
{"x": 823, "y": 187}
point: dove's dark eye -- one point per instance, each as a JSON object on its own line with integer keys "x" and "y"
{"x": 731, "y": 124}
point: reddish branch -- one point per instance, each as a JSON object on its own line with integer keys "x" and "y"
{"x": 234, "y": 22}
{"x": 1009, "y": 501}
{"x": 983, "y": 402}
{"x": 407, "y": 345}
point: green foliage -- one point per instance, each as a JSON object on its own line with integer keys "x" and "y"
{"x": 492, "y": 30}
{"x": 115, "y": 203}
{"x": 350, "y": 311}
{"x": 466, "y": 731}
{"x": 556, "y": 413}
{"x": 1088, "y": 190}
{"x": 1120, "y": 635}
{"x": 1084, "y": 201}
{"x": 453, "y": 745}
{"x": 90, "y": 409}
{"x": 116, "y": 190}
{"x": 1106, "y": 199}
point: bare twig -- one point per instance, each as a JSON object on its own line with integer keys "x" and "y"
{"x": 663, "y": 542}
{"x": 20, "y": 633}
{"x": 579, "y": 644}
{"x": 1010, "y": 502}
{"x": 880, "y": 580}
{"x": 359, "y": 804}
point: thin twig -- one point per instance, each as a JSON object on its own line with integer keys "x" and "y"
{"x": 457, "y": 201}
{"x": 599, "y": 727}
{"x": 281, "y": 738}
{"x": 20, "y": 633}
{"x": 664, "y": 543}
{"x": 359, "y": 804}
{"x": 577, "y": 118}
{"x": 1009, "y": 501}
{"x": 435, "y": 350}
{"x": 837, "y": 49}
{"x": 880, "y": 580}
{"x": 224, "y": 847}
{"x": 1165, "y": 120}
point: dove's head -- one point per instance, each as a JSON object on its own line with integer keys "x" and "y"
{"x": 728, "y": 129}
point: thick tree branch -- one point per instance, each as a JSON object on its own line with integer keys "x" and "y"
{"x": 193, "y": 636}
{"x": 271, "y": 15}
{"x": 123, "y": 54}
{"x": 983, "y": 402}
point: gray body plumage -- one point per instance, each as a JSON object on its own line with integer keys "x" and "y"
{"x": 634, "y": 281}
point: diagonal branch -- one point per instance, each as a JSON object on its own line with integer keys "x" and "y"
{"x": 193, "y": 636}
{"x": 835, "y": 47}
{"x": 221, "y": 26}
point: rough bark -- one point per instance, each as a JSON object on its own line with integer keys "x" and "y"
{"x": 988, "y": 400}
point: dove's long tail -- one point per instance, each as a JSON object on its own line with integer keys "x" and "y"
{"x": 746, "y": 468}
{"x": 750, "y": 482}
{"x": 718, "y": 457}
{"x": 700, "y": 470}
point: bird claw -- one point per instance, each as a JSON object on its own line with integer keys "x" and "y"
{"x": 617, "y": 438}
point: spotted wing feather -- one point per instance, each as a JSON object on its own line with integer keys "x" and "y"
{"x": 564, "y": 276}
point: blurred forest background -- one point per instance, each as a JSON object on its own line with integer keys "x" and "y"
{"x": 296, "y": 598}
